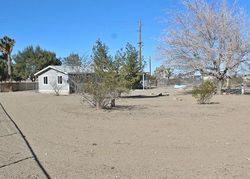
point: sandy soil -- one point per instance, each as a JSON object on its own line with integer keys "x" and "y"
{"x": 16, "y": 160}
{"x": 164, "y": 137}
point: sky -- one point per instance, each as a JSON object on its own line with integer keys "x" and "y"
{"x": 66, "y": 26}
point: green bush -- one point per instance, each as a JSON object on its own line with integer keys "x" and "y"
{"x": 204, "y": 92}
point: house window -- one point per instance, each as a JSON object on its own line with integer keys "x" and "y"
{"x": 59, "y": 79}
{"x": 45, "y": 80}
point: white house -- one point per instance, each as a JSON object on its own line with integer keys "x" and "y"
{"x": 57, "y": 79}
{"x": 197, "y": 75}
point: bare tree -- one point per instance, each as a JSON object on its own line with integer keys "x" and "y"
{"x": 209, "y": 37}
{"x": 81, "y": 72}
{"x": 81, "y": 77}
{"x": 56, "y": 87}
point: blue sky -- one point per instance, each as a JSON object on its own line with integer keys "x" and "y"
{"x": 66, "y": 26}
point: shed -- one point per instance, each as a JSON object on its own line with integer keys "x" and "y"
{"x": 58, "y": 79}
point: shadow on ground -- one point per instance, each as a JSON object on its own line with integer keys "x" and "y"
{"x": 126, "y": 108}
{"x": 144, "y": 96}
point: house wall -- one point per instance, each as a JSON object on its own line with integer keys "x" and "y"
{"x": 52, "y": 82}
{"x": 208, "y": 78}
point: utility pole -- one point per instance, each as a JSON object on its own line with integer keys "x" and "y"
{"x": 149, "y": 66}
{"x": 149, "y": 80}
{"x": 140, "y": 43}
{"x": 140, "y": 52}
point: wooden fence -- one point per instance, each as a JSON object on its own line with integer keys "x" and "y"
{"x": 18, "y": 86}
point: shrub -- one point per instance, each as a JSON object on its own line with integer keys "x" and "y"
{"x": 99, "y": 93}
{"x": 204, "y": 92}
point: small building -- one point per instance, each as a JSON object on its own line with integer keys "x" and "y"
{"x": 197, "y": 75}
{"x": 59, "y": 79}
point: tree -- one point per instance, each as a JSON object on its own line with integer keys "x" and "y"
{"x": 31, "y": 60}
{"x": 131, "y": 68}
{"x": 6, "y": 47}
{"x": 56, "y": 87}
{"x": 73, "y": 60}
{"x": 3, "y": 69}
{"x": 118, "y": 63}
{"x": 81, "y": 66}
{"x": 209, "y": 37}
{"x": 112, "y": 76}
{"x": 204, "y": 92}
{"x": 102, "y": 87}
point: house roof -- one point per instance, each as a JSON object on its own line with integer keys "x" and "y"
{"x": 66, "y": 69}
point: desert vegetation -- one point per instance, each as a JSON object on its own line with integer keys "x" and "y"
{"x": 112, "y": 75}
{"x": 204, "y": 92}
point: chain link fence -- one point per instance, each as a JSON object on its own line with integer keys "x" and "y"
{"x": 178, "y": 81}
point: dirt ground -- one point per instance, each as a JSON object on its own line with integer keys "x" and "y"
{"x": 16, "y": 159}
{"x": 162, "y": 137}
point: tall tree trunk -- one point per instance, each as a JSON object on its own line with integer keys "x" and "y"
{"x": 9, "y": 72}
{"x": 219, "y": 87}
